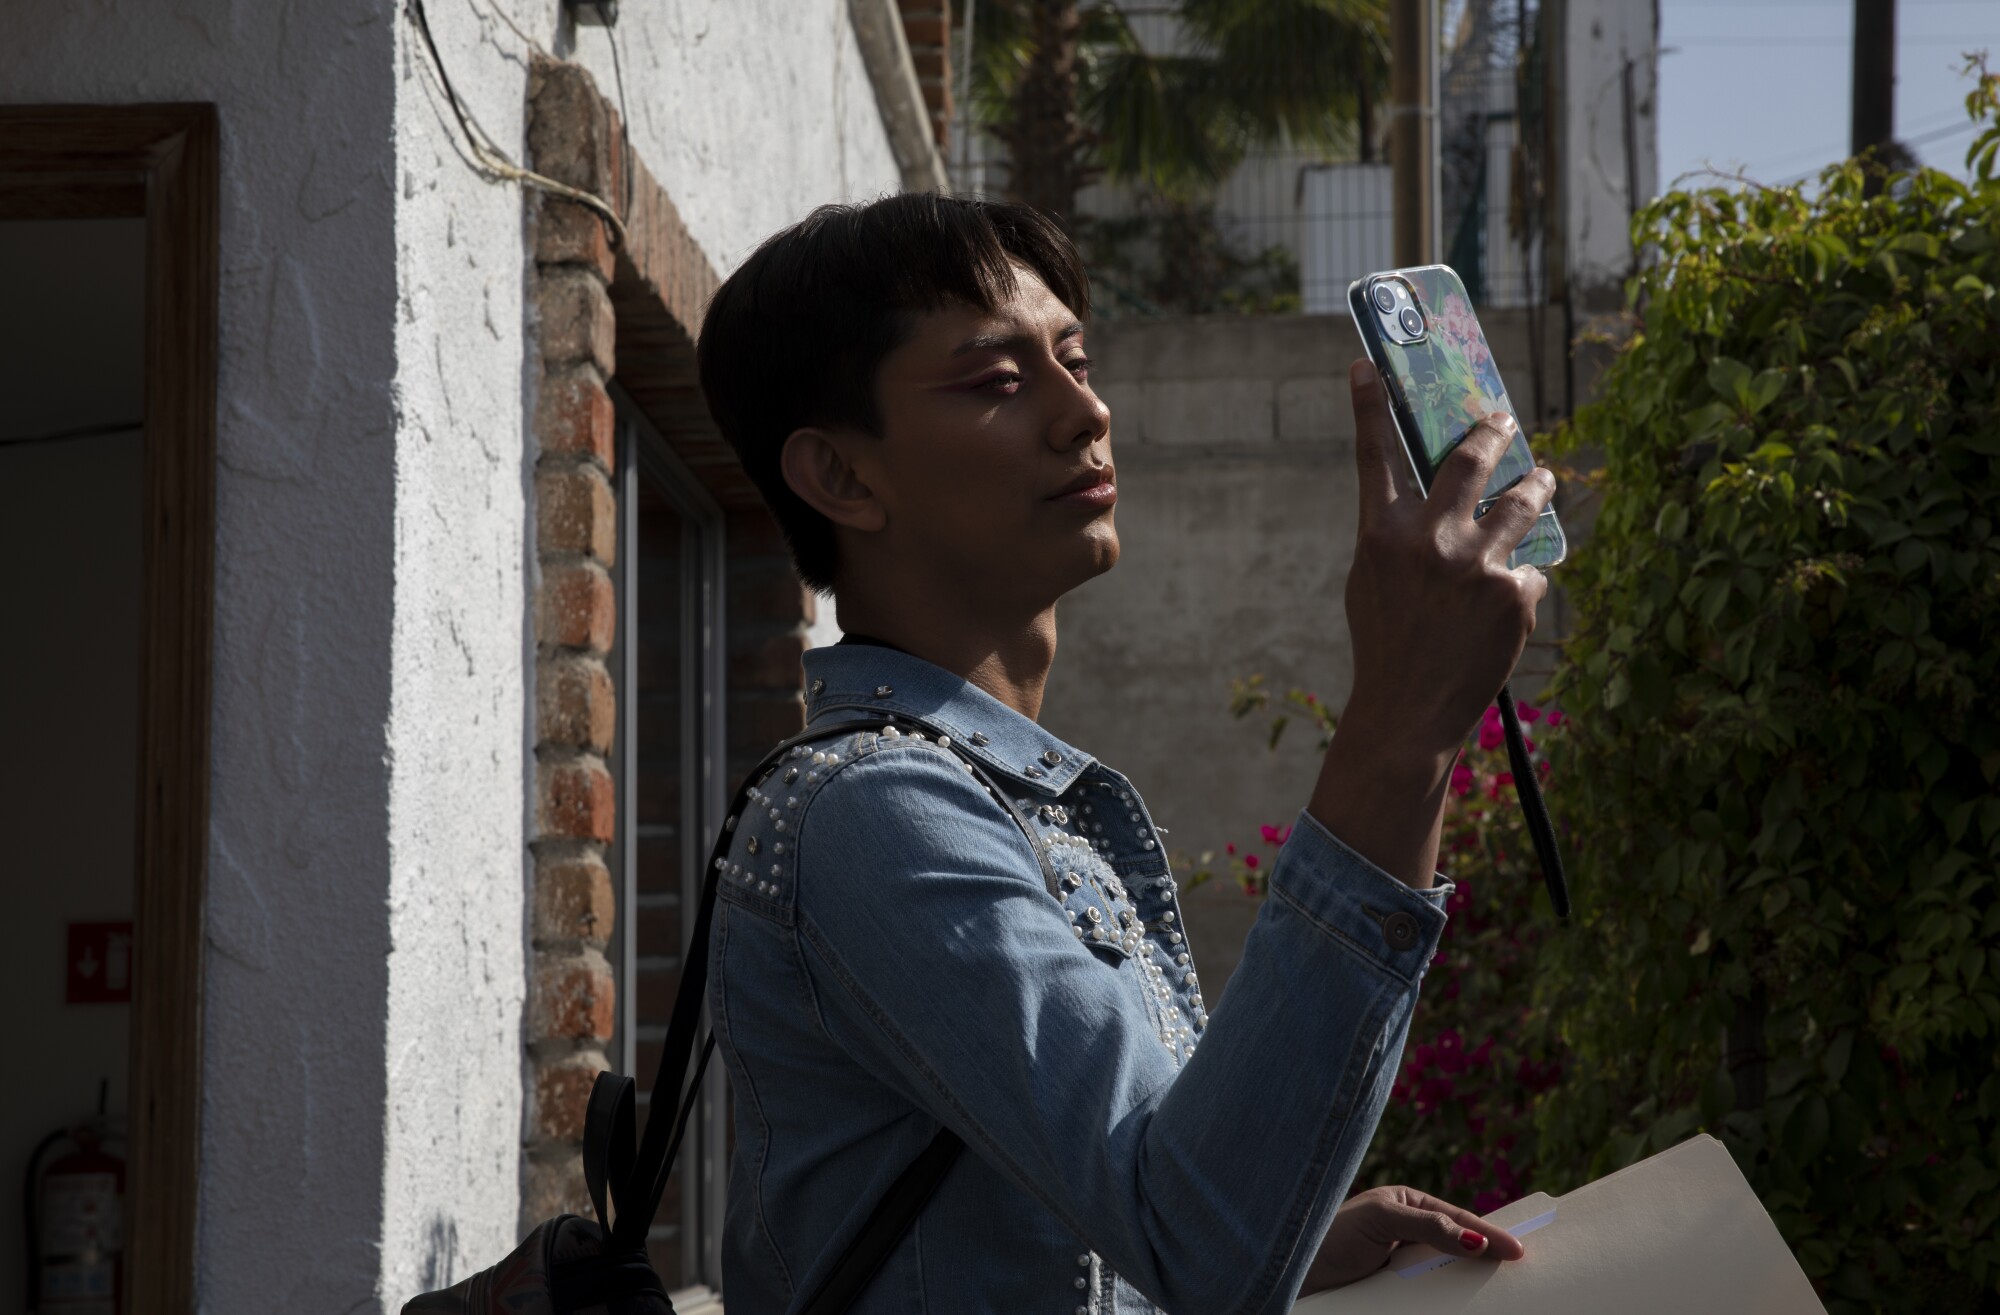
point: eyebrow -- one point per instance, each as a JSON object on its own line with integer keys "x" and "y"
{"x": 987, "y": 341}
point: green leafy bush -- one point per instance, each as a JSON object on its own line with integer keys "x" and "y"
{"x": 1782, "y": 780}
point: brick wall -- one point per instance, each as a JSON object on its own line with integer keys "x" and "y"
{"x": 571, "y": 992}
{"x": 927, "y": 25}
{"x": 631, "y": 314}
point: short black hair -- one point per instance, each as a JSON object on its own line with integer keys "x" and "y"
{"x": 795, "y": 336}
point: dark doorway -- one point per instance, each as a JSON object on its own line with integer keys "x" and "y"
{"x": 110, "y": 475}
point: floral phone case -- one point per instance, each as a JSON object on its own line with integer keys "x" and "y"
{"x": 1443, "y": 384}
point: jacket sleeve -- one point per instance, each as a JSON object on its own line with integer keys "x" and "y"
{"x": 937, "y": 958}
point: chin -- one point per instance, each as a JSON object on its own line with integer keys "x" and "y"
{"x": 1098, "y": 552}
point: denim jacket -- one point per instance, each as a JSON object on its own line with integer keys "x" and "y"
{"x": 890, "y": 954}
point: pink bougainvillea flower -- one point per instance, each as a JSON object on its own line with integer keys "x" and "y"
{"x": 1528, "y": 743}
{"x": 1229, "y": 848}
{"x": 1557, "y": 717}
{"x": 1491, "y": 735}
{"x": 1275, "y": 835}
{"x": 1461, "y": 780}
{"x": 1250, "y": 861}
{"x": 1490, "y": 717}
{"x": 1311, "y": 699}
{"x": 1542, "y": 769}
{"x": 1529, "y": 713}
{"x": 1488, "y": 1201}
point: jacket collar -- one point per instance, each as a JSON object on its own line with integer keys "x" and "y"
{"x": 843, "y": 677}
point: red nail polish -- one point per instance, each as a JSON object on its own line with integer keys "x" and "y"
{"x": 1470, "y": 1240}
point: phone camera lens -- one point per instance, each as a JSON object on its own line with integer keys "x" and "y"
{"x": 1412, "y": 322}
{"x": 1385, "y": 297}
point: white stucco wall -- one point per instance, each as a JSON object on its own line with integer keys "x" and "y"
{"x": 366, "y": 905}
{"x": 461, "y": 657}
{"x": 749, "y": 112}
{"x": 365, "y": 870}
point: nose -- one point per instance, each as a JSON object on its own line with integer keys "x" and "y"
{"x": 1081, "y": 417}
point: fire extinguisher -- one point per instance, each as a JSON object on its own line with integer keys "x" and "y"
{"x": 75, "y": 1210}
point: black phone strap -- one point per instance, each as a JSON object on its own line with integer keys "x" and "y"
{"x": 1528, "y": 789}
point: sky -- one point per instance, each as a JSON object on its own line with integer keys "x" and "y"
{"x": 1761, "y": 86}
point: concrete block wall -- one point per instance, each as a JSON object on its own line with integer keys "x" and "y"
{"x": 1234, "y": 442}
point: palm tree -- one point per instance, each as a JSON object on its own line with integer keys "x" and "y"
{"x": 1070, "y": 91}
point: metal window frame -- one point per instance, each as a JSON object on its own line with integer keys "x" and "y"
{"x": 643, "y": 454}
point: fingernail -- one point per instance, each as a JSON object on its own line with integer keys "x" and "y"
{"x": 1507, "y": 423}
{"x": 1471, "y": 1241}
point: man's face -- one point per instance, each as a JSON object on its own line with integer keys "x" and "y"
{"x": 994, "y": 460}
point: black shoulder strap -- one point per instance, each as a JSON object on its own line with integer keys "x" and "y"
{"x": 647, "y": 1180}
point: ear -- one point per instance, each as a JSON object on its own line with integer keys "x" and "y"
{"x": 816, "y": 464}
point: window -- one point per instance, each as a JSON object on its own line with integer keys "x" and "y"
{"x": 670, "y": 767}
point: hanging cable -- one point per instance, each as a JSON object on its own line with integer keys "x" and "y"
{"x": 491, "y": 158}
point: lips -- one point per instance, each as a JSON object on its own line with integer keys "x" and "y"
{"x": 1089, "y": 479}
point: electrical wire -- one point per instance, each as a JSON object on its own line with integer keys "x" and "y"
{"x": 491, "y": 158}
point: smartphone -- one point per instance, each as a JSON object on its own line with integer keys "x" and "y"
{"x": 1418, "y": 328}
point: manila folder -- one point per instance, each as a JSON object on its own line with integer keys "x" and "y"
{"x": 1680, "y": 1233}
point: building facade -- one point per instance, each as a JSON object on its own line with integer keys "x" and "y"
{"x": 493, "y": 617}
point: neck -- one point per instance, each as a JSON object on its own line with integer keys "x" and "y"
{"x": 1006, "y": 655}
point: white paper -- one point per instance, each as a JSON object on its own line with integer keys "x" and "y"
{"x": 1678, "y": 1234}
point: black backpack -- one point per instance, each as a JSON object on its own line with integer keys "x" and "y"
{"x": 571, "y": 1265}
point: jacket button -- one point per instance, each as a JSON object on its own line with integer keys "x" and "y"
{"x": 1401, "y": 929}
{"x": 1052, "y": 758}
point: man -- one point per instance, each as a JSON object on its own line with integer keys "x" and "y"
{"x": 908, "y": 384}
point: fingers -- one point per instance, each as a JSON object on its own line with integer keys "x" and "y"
{"x": 1383, "y": 467}
{"x": 1513, "y": 513}
{"x": 1462, "y": 476}
{"x": 1465, "y": 1233}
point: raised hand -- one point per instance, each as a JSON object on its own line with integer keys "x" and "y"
{"x": 1437, "y": 621}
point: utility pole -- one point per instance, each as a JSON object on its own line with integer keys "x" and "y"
{"x": 1872, "y": 123}
{"x": 1413, "y": 129}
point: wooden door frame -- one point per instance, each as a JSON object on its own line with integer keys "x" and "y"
{"x": 157, "y": 162}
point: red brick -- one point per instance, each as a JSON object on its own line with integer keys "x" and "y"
{"x": 659, "y": 661}
{"x": 562, "y": 1095}
{"x": 655, "y": 988}
{"x": 577, "y": 801}
{"x": 659, "y": 800}
{"x": 573, "y": 900}
{"x": 576, "y": 319}
{"x": 756, "y": 724}
{"x": 570, "y": 234}
{"x": 575, "y": 512}
{"x": 771, "y": 663}
{"x": 573, "y": 998}
{"x": 659, "y": 866}
{"x": 570, "y": 133}
{"x": 923, "y": 31}
{"x": 578, "y": 609}
{"x": 575, "y": 704}
{"x": 755, "y": 533}
{"x": 553, "y": 1186}
{"x": 658, "y": 932}
{"x": 765, "y": 588}
{"x": 574, "y": 416}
